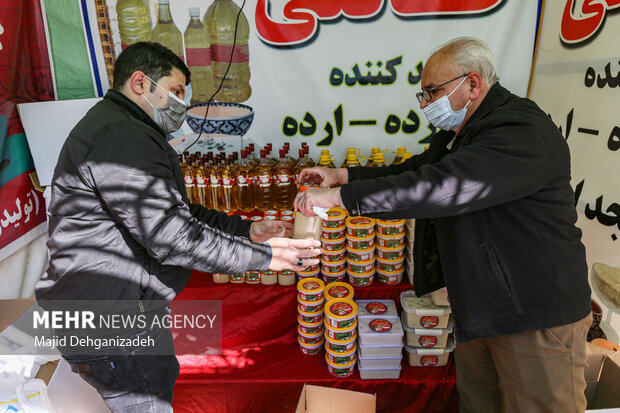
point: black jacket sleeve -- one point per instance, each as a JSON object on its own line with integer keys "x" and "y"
{"x": 232, "y": 224}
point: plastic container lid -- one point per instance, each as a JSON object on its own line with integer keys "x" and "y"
{"x": 324, "y": 271}
{"x": 376, "y": 308}
{"x": 395, "y": 236}
{"x": 340, "y": 251}
{"x": 317, "y": 303}
{"x": 310, "y": 285}
{"x": 368, "y": 262}
{"x": 421, "y": 305}
{"x": 390, "y": 222}
{"x": 428, "y": 331}
{"x": 366, "y": 238}
{"x": 332, "y": 241}
{"x": 333, "y": 263}
{"x": 390, "y": 273}
{"x": 361, "y": 274}
{"x": 336, "y": 214}
{"x": 360, "y": 222}
{"x": 364, "y": 251}
{"x": 334, "y": 229}
{"x": 338, "y": 290}
{"x": 391, "y": 249}
{"x": 341, "y": 308}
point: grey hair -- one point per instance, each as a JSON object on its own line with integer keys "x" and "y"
{"x": 469, "y": 54}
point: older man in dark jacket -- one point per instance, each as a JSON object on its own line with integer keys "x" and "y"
{"x": 493, "y": 194}
{"x": 123, "y": 234}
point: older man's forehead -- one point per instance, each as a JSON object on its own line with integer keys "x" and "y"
{"x": 437, "y": 70}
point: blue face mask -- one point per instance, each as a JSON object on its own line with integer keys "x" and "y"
{"x": 170, "y": 117}
{"x": 188, "y": 94}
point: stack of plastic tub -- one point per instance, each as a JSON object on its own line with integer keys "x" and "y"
{"x": 409, "y": 237}
{"x": 341, "y": 336}
{"x": 360, "y": 251}
{"x": 333, "y": 261}
{"x": 427, "y": 327}
{"x": 381, "y": 339}
{"x": 310, "y": 298}
{"x": 390, "y": 250}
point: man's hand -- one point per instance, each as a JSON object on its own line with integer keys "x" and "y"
{"x": 326, "y": 198}
{"x": 262, "y": 231}
{"x": 326, "y": 177}
{"x": 287, "y": 253}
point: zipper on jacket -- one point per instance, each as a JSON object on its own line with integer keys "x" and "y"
{"x": 141, "y": 306}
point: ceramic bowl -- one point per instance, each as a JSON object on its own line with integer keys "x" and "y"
{"x": 224, "y": 118}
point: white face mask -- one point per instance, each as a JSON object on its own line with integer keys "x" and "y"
{"x": 170, "y": 117}
{"x": 441, "y": 115}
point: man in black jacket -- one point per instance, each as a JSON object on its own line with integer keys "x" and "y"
{"x": 124, "y": 236}
{"x": 493, "y": 191}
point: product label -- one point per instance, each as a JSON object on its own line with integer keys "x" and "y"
{"x": 428, "y": 341}
{"x": 391, "y": 230}
{"x": 214, "y": 181}
{"x": 338, "y": 292}
{"x": 310, "y": 285}
{"x": 360, "y": 221}
{"x": 287, "y": 272}
{"x": 342, "y": 372}
{"x": 376, "y": 308}
{"x": 429, "y": 321}
{"x": 429, "y": 361}
{"x": 198, "y": 56}
{"x": 189, "y": 180}
{"x": 343, "y": 336}
{"x": 282, "y": 180}
{"x": 334, "y": 213}
{"x": 340, "y": 360}
{"x": 337, "y": 348}
{"x": 200, "y": 181}
{"x": 228, "y": 182}
{"x": 264, "y": 180}
{"x": 236, "y": 277}
{"x": 380, "y": 325}
{"x": 221, "y": 53}
{"x": 244, "y": 181}
{"x": 361, "y": 281}
{"x": 341, "y": 309}
{"x": 356, "y": 232}
{"x": 252, "y": 276}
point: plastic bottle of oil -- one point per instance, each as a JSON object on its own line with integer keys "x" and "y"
{"x": 353, "y": 160}
{"x": 282, "y": 184}
{"x": 189, "y": 176}
{"x": 215, "y": 180}
{"x": 166, "y": 32}
{"x": 202, "y": 189}
{"x": 198, "y": 57}
{"x": 326, "y": 159}
{"x": 406, "y": 156}
{"x": 371, "y": 159}
{"x": 134, "y": 22}
{"x": 398, "y": 155}
{"x": 245, "y": 183}
{"x": 220, "y": 20}
{"x": 262, "y": 187}
{"x": 228, "y": 185}
{"x": 206, "y": 175}
{"x": 378, "y": 160}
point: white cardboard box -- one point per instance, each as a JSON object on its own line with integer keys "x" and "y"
{"x": 316, "y": 399}
{"x": 603, "y": 380}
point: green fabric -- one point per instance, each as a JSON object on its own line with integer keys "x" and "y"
{"x": 14, "y": 150}
{"x": 69, "y": 50}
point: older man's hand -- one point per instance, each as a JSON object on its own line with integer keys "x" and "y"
{"x": 325, "y": 177}
{"x": 264, "y": 230}
{"x": 326, "y": 198}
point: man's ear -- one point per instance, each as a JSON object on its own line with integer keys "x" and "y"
{"x": 139, "y": 83}
{"x": 475, "y": 85}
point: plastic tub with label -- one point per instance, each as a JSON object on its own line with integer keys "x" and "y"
{"x": 310, "y": 349}
{"x": 220, "y": 278}
{"x": 340, "y": 313}
{"x": 422, "y": 312}
{"x": 429, "y": 357}
{"x": 360, "y": 255}
{"x": 386, "y": 253}
{"x": 375, "y": 308}
{"x": 333, "y": 233}
{"x": 341, "y": 334}
{"x": 380, "y": 331}
{"x": 381, "y": 351}
{"x": 360, "y": 243}
{"x": 309, "y": 274}
{"x": 389, "y": 363}
{"x": 310, "y": 338}
{"x": 286, "y": 277}
{"x": 391, "y": 265}
{"x": 390, "y": 277}
{"x": 340, "y": 370}
{"x": 360, "y": 267}
{"x": 311, "y": 289}
{"x": 391, "y": 241}
{"x": 340, "y": 346}
{"x": 311, "y": 307}
{"x": 333, "y": 277}
{"x": 338, "y": 290}
{"x": 344, "y": 357}
{"x": 309, "y": 317}
{"x": 379, "y": 373}
{"x": 336, "y": 217}
{"x": 362, "y": 280}
{"x": 333, "y": 266}
{"x": 236, "y": 278}
{"x": 311, "y": 328}
{"x": 333, "y": 256}
{"x": 390, "y": 226}
{"x": 427, "y": 337}
{"x": 252, "y": 277}
{"x": 333, "y": 244}
{"x": 360, "y": 226}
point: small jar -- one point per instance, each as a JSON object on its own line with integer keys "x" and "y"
{"x": 362, "y": 280}
{"x": 286, "y": 278}
{"x": 390, "y": 277}
{"x": 336, "y": 217}
{"x": 269, "y": 277}
{"x": 361, "y": 255}
{"x": 333, "y": 244}
{"x": 311, "y": 307}
{"x": 391, "y": 265}
{"x": 329, "y": 277}
{"x": 340, "y": 313}
{"x": 333, "y": 233}
{"x": 387, "y": 253}
{"x": 311, "y": 289}
{"x": 360, "y": 267}
{"x": 220, "y": 278}
{"x": 391, "y": 241}
{"x": 334, "y": 256}
{"x": 360, "y": 243}
{"x": 252, "y": 277}
{"x": 337, "y": 290}
{"x": 236, "y": 278}
{"x": 390, "y": 226}
{"x": 316, "y": 273}
{"x": 333, "y": 267}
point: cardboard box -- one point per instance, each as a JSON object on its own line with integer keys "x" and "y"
{"x": 316, "y": 399}
{"x": 603, "y": 380}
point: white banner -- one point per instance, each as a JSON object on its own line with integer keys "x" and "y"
{"x": 344, "y": 73}
{"x": 577, "y": 80}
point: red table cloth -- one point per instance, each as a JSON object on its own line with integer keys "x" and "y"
{"x": 261, "y": 368}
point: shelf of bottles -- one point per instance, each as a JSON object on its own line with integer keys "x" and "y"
{"x": 210, "y": 44}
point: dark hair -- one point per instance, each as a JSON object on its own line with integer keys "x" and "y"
{"x": 155, "y": 60}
